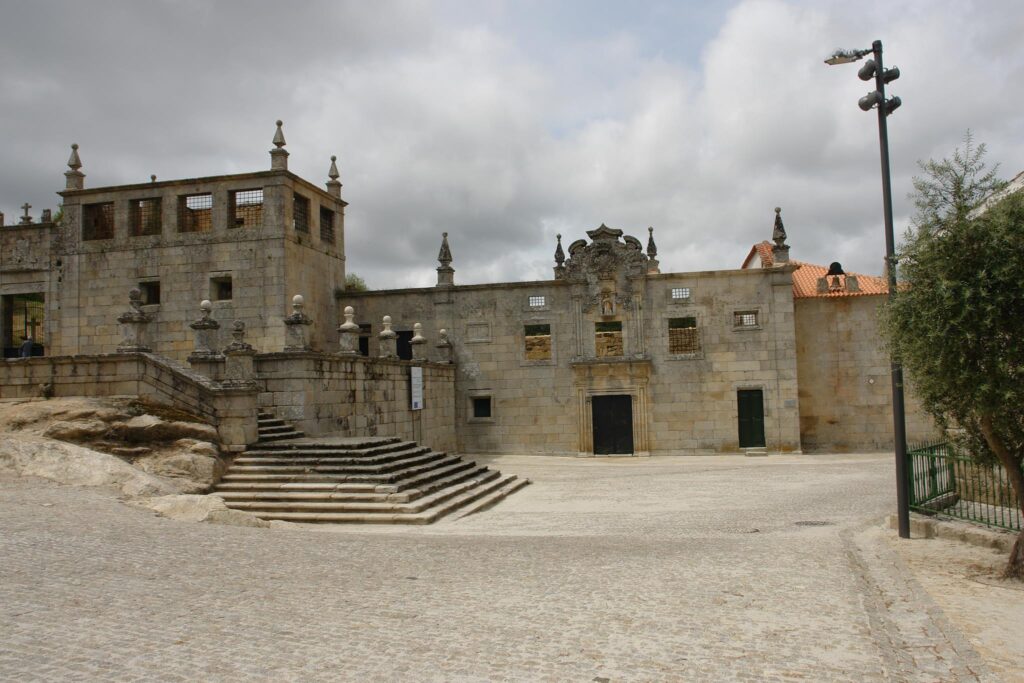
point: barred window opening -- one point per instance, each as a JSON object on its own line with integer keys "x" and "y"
{"x": 683, "y": 336}
{"x": 246, "y": 209}
{"x": 145, "y": 215}
{"x": 537, "y": 340}
{"x": 301, "y": 213}
{"x": 326, "y": 225}
{"x": 195, "y": 212}
{"x": 745, "y": 319}
{"x": 536, "y": 301}
{"x": 98, "y": 221}
{"x": 680, "y": 292}
{"x": 608, "y": 339}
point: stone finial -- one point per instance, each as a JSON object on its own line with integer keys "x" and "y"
{"x": 205, "y": 358}
{"x": 388, "y": 342}
{"x": 418, "y": 343}
{"x": 653, "y": 266}
{"x": 334, "y": 185}
{"x": 133, "y": 325}
{"x": 279, "y": 155}
{"x": 780, "y": 252}
{"x": 559, "y": 259}
{"x": 152, "y": 178}
{"x": 348, "y": 334}
{"x": 75, "y": 178}
{"x": 445, "y": 272}
{"x": 47, "y": 217}
{"x": 26, "y": 219}
{"x": 444, "y": 347}
{"x": 297, "y": 327}
{"x": 239, "y": 369}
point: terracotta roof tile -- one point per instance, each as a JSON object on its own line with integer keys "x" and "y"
{"x": 806, "y": 276}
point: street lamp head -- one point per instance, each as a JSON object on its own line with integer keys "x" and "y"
{"x": 867, "y": 72}
{"x": 892, "y": 105}
{"x": 868, "y": 102}
{"x": 845, "y": 56}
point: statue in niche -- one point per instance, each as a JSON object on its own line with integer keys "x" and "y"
{"x": 607, "y": 304}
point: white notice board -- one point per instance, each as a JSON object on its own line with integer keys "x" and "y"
{"x": 416, "y": 387}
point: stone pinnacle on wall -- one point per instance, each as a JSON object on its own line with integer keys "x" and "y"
{"x": 780, "y": 252}
{"x": 653, "y": 265}
{"x": 75, "y": 178}
{"x": 334, "y": 185}
{"x": 445, "y": 272}
{"x": 559, "y": 259}
{"x": 279, "y": 155}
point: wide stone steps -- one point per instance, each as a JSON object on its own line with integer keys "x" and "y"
{"x": 355, "y": 480}
{"x": 270, "y": 428}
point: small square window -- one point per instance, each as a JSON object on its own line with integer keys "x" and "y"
{"x": 220, "y": 288}
{"x": 481, "y": 407}
{"x": 145, "y": 214}
{"x": 537, "y": 301}
{"x": 300, "y": 213}
{"x": 195, "y": 212}
{"x": 150, "y": 292}
{"x": 745, "y": 319}
{"x": 98, "y": 221}
{"x": 680, "y": 292}
{"x": 246, "y": 209}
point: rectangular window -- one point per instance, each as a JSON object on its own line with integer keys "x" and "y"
{"x": 98, "y": 221}
{"x": 683, "y": 336}
{"x": 150, "y": 292}
{"x": 220, "y": 288}
{"x": 538, "y": 342}
{"x": 608, "y": 339}
{"x": 145, "y": 216}
{"x": 326, "y": 225}
{"x": 300, "y": 211}
{"x": 365, "y": 330}
{"x": 481, "y": 407}
{"x": 744, "y": 319}
{"x": 680, "y": 293}
{"x": 536, "y": 301}
{"x": 246, "y": 209}
{"x": 195, "y": 212}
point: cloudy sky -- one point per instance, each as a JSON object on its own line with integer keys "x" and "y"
{"x": 504, "y": 123}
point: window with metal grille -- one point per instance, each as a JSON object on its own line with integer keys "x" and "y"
{"x": 246, "y": 209}
{"x": 537, "y": 342}
{"x": 220, "y": 288}
{"x": 608, "y": 339}
{"x": 326, "y": 225}
{"x": 150, "y": 292}
{"x": 98, "y": 221}
{"x": 145, "y": 215}
{"x": 300, "y": 211}
{"x": 195, "y": 212}
{"x": 683, "y": 336}
{"x": 536, "y": 301}
{"x": 680, "y": 292}
{"x": 481, "y": 406}
{"x": 744, "y": 319}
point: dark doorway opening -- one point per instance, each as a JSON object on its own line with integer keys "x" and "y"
{"x": 613, "y": 424}
{"x": 751, "y": 417}
{"x": 402, "y": 345}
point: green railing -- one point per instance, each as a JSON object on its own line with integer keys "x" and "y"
{"x": 945, "y": 482}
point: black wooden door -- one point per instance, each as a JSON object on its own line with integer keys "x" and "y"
{"x": 613, "y": 424}
{"x": 751, "y": 412}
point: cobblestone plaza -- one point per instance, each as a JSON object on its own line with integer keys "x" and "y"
{"x": 704, "y": 568}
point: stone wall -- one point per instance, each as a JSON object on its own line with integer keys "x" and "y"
{"x": 844, "y": 378}
{"x": 682, "y": 403}
{"x": 232, "y": 411}
{"x": 323, "y": 393}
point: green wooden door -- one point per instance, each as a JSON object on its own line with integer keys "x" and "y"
{"x": 751, "y": 417}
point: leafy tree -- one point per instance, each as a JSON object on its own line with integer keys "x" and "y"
{"x": 354, "y": 283}
{"x": 957, "y": 322}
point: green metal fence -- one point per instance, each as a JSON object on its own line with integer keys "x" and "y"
{"x": 945, "y": 482}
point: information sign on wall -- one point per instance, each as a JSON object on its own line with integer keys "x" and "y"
{"x": 416, "y": 387}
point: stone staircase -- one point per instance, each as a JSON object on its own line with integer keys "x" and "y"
{"x": 332, "y": 479}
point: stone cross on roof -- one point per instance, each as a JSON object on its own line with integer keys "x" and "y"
{"x": 26, "y": 219}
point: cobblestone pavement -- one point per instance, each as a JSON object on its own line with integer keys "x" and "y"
{"x": 694, "y": 568}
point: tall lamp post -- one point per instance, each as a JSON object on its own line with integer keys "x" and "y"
{"x": 876, "y": 100}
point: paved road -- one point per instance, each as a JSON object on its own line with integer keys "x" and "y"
{"x": 694, "y": 568}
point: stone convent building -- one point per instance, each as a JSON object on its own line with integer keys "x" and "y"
{"x": 609, "y": 356}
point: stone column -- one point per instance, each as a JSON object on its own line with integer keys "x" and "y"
{"x": 239, "y": 370}
{"x": 418, "y": 343}
{"x": 388, "y": 340}
{"x": 205, "y": 358}
{"x": 296, "y": 332}
{"x": 133, "y": 325}
{"x": 444, "y": 347}
{"x": 348, "y": 334}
